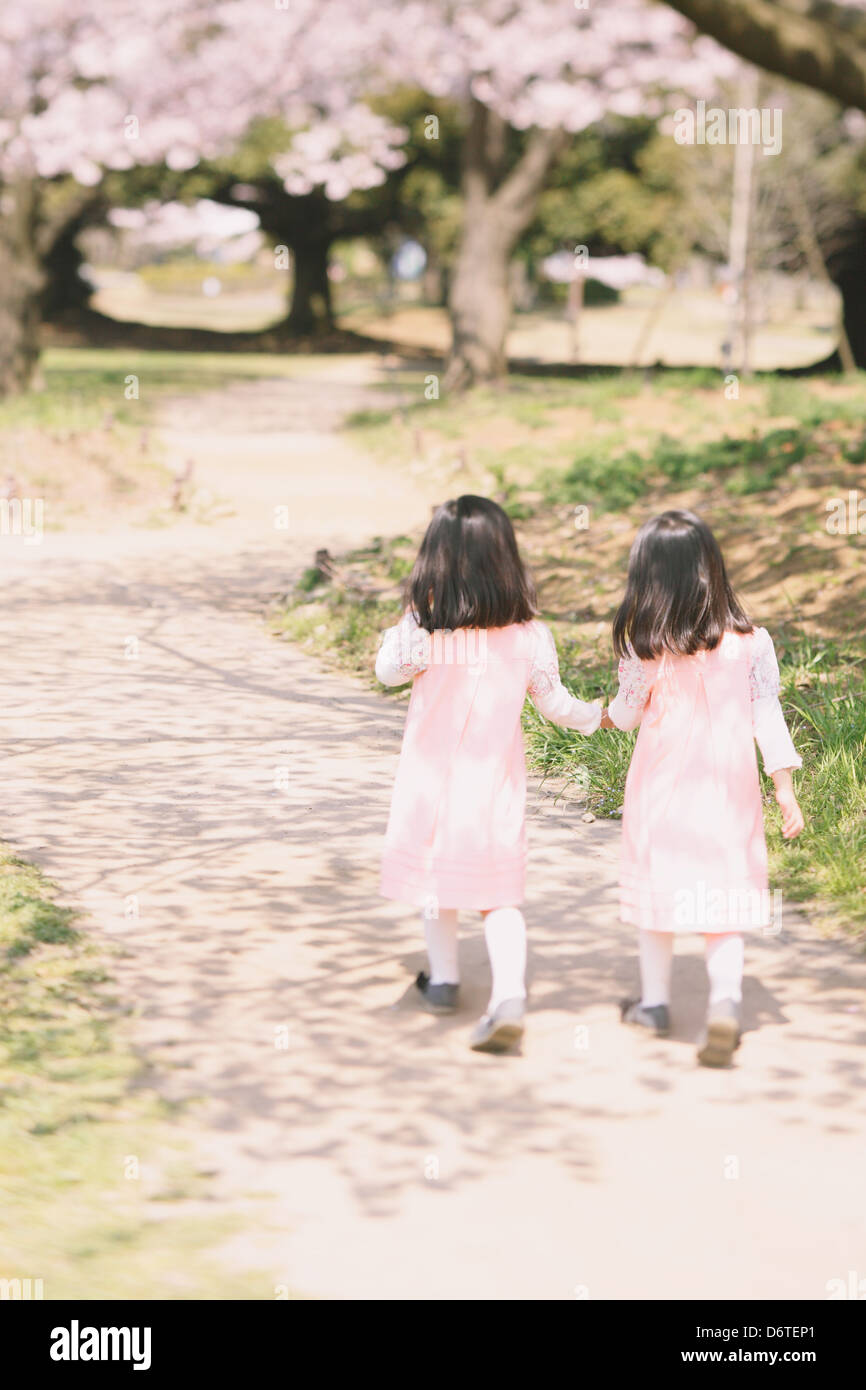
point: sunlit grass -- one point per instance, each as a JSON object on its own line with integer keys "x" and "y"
{"x": 76, "y": 387}
{"x": 86, "y": 1148}
{"x": 824, "y": 685}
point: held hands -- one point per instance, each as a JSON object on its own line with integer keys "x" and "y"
{"x": 792, "y": 816}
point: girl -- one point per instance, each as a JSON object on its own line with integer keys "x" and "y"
{"x": 471, "y": 644}
{"x": 702, "y": 682}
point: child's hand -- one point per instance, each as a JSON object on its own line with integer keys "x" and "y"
{"x": 792, "y": 816}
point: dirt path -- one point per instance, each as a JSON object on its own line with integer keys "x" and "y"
{"x": 149, "y": 720}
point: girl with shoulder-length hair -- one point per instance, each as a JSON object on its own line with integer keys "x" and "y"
{"x": 702, "y": 682}
{"x": 473, "y": 648}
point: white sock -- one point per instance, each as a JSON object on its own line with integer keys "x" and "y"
{"x": 505, "y": 934}
{"x": 656, "y": 961}
{"x": 440, "y": 933}
{"x": 725, "y": 954}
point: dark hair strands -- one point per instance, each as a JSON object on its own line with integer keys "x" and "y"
{"x": 678, "y": 596}
{"x": 468, "y": 572}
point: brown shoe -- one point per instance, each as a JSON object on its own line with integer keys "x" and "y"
{"x": 502, "y": 1029}
{"x": 722, "y": 1036}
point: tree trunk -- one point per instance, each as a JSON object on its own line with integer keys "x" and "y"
{"x": 311, "y": 308}
{"x": 740, "y": 235}
{"x": 817, "y": 264}
{"x": 824, "y": 46}
{"x": 66, "y": 293}
{"x": 479, "y": 299}
{"x": 495, "y": 212}
{"x": 844, "y": 256}
{"x": 846, "y": 266}
{"x": 21, "y": 282}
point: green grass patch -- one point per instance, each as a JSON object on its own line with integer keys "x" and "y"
{"x": 342, "y": 621}
{"x": 595, "y": 767}
{"x": 610, "y": 479}
{"x": 86, "y": 1148}
{"x": 537, "y": 430}
{"x": 824, "y": 694}
{"x": 77, "y": 387}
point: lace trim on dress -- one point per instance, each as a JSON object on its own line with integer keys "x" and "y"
{"x": 764, "y": 676}
{"x": 406, "y": 647}
{"x": 544, "y": 676}
{"x": 633, "y": 686}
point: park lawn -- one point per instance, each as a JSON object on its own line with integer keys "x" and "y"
{"x": 76, "y": 1112}
{"x": 579, "y": 465}
{"x": 689, "y": 329}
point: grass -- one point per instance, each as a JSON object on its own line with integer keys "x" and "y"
{"x": 528, "y": 430}
{"x": 762, "y": 469}
{"x": 824, "y": 690}
{"x": 691, "y": 329}
{"x": 76, "y": 387}
{"x": 86, "y": 1149}
{"x": 342, "y": 622}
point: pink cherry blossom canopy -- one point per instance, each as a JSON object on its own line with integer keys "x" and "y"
{"x": 86, "y": 87}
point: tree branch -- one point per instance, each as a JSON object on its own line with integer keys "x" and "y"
{"x": 813, "y": 47}
{"x": 516, "y": 198}
{"x": 475, "y": 175}
{"x": 840, "y": 17}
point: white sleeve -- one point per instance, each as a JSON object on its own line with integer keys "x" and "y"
{"x": 549, "y": 695}
{"x": 768, "y": 722}
{"x": 626, "y": 709}
{"x": 404, "y": 652}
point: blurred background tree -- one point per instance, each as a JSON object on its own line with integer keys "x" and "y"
{"x": 491, "y": 137}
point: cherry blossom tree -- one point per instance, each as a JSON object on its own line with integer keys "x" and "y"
{"x": 276, "y": 98}
{"x": 527, "y": 77}
{"x": 310, "y": 153}
{"x": 86, "y": 89}
{"x": 71, "y": 86}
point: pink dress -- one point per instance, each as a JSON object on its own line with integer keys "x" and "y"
{"x": 456, "y": 836}
{"x": 694, "y": 856}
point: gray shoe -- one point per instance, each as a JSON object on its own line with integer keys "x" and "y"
{"x": 438, "y": 999}
{"x": 722, "y": 1036}
{"x": 500, "y": 1030}
{"x": 656, "y": 1019}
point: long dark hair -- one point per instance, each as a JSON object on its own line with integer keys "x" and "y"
{"x": 678, "y": 597}
{"x": 469, "y": 572}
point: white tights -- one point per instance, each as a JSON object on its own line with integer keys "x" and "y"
{"x": 440, "y": 933}
{"x": 505, "y": 934}
{"x": 724, "y": 966}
